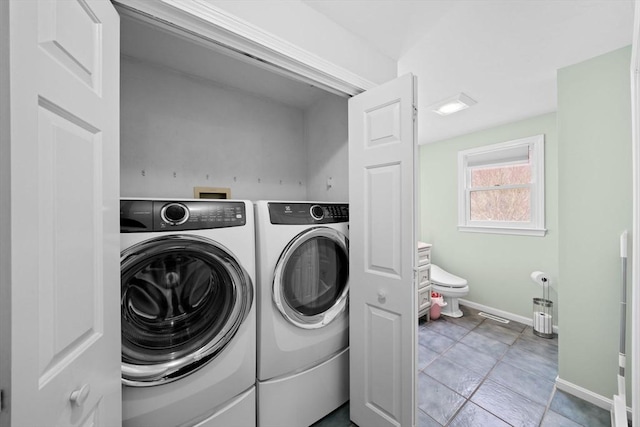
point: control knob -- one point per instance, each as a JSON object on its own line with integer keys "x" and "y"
{"x": 317, "y": 212}
{"x": 174, "y": 213}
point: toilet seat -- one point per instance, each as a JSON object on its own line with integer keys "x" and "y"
{"x": 448, "y": 291}
{"x": 444, "y": 279}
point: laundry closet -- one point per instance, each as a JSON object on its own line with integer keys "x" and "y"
{"x": 192, "y": 116}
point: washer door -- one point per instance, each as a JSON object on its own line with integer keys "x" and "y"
{"x": 183, "y": 299}
{"x": 311, "y": 281}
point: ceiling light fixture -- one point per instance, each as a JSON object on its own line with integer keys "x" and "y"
{"x": 452, "y": 105}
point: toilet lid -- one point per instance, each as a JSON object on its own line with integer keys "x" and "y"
{"x": 444, "y": 278}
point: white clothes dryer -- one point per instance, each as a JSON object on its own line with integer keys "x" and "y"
{"x": 188, "y": 312}
{"x": 302, "y": 297}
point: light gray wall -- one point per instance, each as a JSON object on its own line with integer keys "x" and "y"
{"x": 497, "y": 267}
{"x": 594, "y": 123}
{"x": 215, "y": 136}
{"x": 209, "y": 136}
{"x": 327, "y": 149}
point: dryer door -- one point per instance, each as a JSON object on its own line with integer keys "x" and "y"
{"x": 310, "y": 286}
{"x": 183, "y": 298}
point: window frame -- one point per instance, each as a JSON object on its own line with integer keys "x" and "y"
{"x": 536, "y": 226}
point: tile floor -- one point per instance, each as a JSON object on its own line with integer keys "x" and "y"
{"x": 478, "y": 372}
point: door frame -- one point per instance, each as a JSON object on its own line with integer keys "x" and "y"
{"x": 635, "y": 234}
{"x": 5, "y": 214}
{"x": 223, "y": 32}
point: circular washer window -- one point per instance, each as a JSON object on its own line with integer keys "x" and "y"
{"x": 183, "y": 298}
{"x": 310, "y": 286}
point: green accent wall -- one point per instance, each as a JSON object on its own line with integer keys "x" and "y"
{"x": 497, "y": 266}
{"x": 595, "y": 206}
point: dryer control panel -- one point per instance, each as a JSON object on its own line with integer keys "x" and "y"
{"x": 297, "y": 213}
{"x": 137, "y": 216}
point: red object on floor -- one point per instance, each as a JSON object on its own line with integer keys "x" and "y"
{"x": 434, "y": 312}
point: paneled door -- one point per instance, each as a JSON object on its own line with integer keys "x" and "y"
{"x": 64, "y": 196}
{"x": 383, "y": 248}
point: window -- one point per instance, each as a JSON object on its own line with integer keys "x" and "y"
{"x": 501, "y": 188}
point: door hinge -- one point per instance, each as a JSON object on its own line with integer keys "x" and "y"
{"x": 1, "y": 400}
{"x": 415, "y": 113}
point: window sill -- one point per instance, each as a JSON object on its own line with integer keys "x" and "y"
{"x": 538, "y": 232}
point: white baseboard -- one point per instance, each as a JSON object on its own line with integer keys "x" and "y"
{"x": 507, "y": 315}
{"x": 588, "y": 395}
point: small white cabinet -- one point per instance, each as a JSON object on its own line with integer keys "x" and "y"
{"x": 424, "y": 279}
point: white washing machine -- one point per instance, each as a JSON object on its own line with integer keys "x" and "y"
{"x": 302, "y": 298}
{"x": 188, "y": 313}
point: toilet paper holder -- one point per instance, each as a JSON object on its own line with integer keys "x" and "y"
{"x": 540, "y": 278}
{"x": 542, "y": 307}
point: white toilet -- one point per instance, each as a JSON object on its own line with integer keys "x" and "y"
{"x": 451, "y": 287}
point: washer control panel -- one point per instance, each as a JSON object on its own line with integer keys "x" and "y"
{"x": 308, "y": 213}
{"x": 166, "y": 215}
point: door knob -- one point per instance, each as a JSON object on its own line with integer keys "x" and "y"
{"x": 79, "y": 396}
{"x": 382, "y": 296}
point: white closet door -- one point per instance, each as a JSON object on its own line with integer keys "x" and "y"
{"x": 383, "y": 247}
{"x": 64, "y": 248}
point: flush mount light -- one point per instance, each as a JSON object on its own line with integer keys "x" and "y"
{"x": 452, "y": 105}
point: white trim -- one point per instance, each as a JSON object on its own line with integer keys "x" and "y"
{"x": 225, "y": 32}
{"x": 587, "y": 395}
{"x": 507, "y": 315}
{"x": 635, "y": 234}
{"x": 533, "y": 228}
{"x": 506, "y": 230}
{"x": 6, "y": 239}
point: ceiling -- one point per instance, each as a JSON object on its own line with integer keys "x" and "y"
{"x": 391, "y": 26}
{"x": 158, "y": 46}
{"x": 502, "y": 53}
